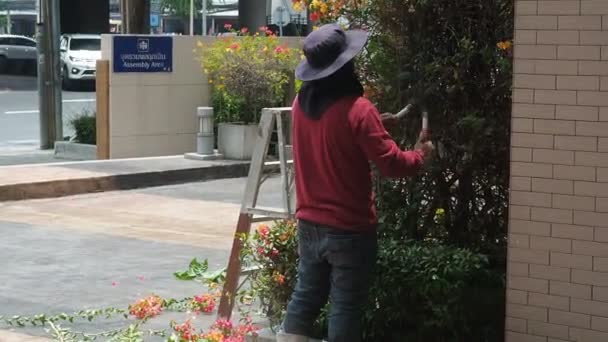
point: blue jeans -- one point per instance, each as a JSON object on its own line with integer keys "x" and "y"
{"x": 335, "y": 265}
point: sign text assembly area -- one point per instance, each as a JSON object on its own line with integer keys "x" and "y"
{"x": 142, "y": 54}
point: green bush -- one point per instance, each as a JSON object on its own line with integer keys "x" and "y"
{"x": 84, "y": 126}
{"x": 433, "y": 293}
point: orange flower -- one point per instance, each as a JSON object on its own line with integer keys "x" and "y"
{"x": 147, "y": 307}
{"x": 263, "y": 230}
{"x": 279, "y": 278}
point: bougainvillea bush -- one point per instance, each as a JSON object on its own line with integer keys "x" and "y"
{"x": 247, "y": 72}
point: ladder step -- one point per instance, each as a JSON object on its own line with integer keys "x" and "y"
{"x": 277, "y": 163}
{"x": 271, "y": 214}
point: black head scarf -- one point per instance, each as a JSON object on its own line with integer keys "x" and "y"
{"x": 315, "y": 97}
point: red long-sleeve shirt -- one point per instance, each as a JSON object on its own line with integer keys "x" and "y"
{"x": 332, "y": 163}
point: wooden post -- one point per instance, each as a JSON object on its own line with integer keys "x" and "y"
{"x": 102, "y": 83}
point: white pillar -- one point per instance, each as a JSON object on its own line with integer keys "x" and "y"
{"x": 205, "y": 138}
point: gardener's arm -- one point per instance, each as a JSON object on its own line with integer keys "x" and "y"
{"x": 378, "y": 145}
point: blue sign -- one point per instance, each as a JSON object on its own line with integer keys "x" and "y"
{"x": 143, "y": 54}
{"x": 154, "y": 20}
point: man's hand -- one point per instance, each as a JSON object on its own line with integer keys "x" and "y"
{"x": 424, "y": 143}
{"x": 389, "y": 120}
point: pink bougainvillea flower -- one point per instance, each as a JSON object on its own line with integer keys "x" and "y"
{"x": 244, "y": 30}
{"x": 263, "y": 229}
{"x": 204, "y": 303}
{"x": 141, "y": 278}
{"x": 115, "y": 283}
{"x": 274, "y": 253}
{"x": 263, "y": 29}
{"x": 235, "y": 46}
{"x": 147, "y": 308}
{"x": 314, "y": 16}
{"x": 228, "y": 26}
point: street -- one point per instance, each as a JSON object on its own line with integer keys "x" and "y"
{"x": 110, "y": 249}
{"x": 19, "y": 121}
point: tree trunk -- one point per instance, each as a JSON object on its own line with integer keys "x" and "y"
{"x": 135, "y": 16}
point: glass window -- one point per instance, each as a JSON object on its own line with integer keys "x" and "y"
{"x": 88, "y": 44}
{"x": 25, "y": 42}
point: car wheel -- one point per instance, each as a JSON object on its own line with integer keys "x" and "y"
{"x": 66, "y": 83}
{"x": 3, "y": 64}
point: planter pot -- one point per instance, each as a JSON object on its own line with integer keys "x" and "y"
{"x": 236, "y": 141}
{"x": 75, "y": 151}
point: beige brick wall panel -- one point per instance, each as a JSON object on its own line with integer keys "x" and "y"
{"x": 553, "y": 156}
{"x": 602, "y": 175}
{"x": 574, "y": 172}
{"x": 529, "y": 8}
{"x": 547, "y": 329}
{"x": 568, "y": 289}
{"x": 605, "y": 23}
{"x": 549, "y": 273}
{"x": 531, "y": 169}
{"x": 599, "y": 323}
{"x": 526, "y": 67}
{"x": 517, "y": 297}
{"x": 601, "y": 205}
{"x": 522, "y": 125}
{"x": 518, "y": 269}
{"x": 590, "y": 278}
{"x": 604, "y": 83}
{"x": 534, "y": 81}
{"x": 561, "y": 37}
{"x": 575, "y": 22}
{"x": 576, "y": 113}
{"x": 527, "y": 312}
{"x": 516, "y": 325}
{"x": 603, "y": 114}
{"x": 591, "y": 159}
{"x": 590, "y": 189}
{"x": 596, "y": 249}
{"x": 556, "y": 340}
{"x": 561, "y": 7}
{"x": 592, "y": 129}
{"x": 588, "y": 307}
{"x": 549, "y": 67}
{"x": 568, "y": 231}
{"x": 518, "y": 337}
{"x": 594, "y": 7}
{"x": 554, "y": 186}
{"x": 605, "y": 51}
{"x": 543, "y": 243}
{"x": 519, "y": 240}
{"x": 600, "y": 294}
{"x": 570, "y": 319}
{"x": 530, "y": 199}
{"x": 573, "y": 202}
{"x": 533, "y": 22}
{"x": 572, "y": 143}
{"x": 578, "y": 82}
{"x": 521, "y": 183}
{"x": 600, "y": 264}
{"x": 523, "y": 96}
{"x": 551, "y": 215}
{"x": 583, "y": 262}
{"x": 530, "y": 256}
{"x": 601, "y": 234}
{"x": 558, "y": 97}
{"x": 536, "y": 51}
{"x": 549, "y": 301}
{"x": 530, "y": 227}
{"x": 593, "y": 38}
{"x": 525, "y": 37}
{"x": 533, "y": 111}
{"x": 517, "y": 212}
{"x": 592, "y": 98}
{"x": 562, "y": 127}
{"x": 582, "y": 335}
{"x": 602, "y": 145}
{"x": 520, "y": 154}
{"x": 593, "y": 68}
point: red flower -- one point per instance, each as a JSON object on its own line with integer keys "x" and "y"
{"x": 203, "y": 304}
{"x": 275, "y": 253}
{"x": 314, "y": 16}
{"x": 261, "y": 251}
{"x": 235, "y": 46}
{"x": 244, "y": 30}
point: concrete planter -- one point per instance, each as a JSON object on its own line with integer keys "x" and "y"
{"x": 236, "y": 141}
{"x": 75, "y": 151}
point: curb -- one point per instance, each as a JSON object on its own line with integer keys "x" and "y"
{"x": 78, "y": 186}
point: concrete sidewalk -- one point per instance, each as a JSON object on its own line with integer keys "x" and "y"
{"x": 22, "y": 182}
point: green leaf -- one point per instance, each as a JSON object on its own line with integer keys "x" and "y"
{"x": 195, "y": 270}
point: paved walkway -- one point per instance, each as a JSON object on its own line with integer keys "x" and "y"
{"x": 109, "y": 249}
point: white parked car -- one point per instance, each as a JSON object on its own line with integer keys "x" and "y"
{"x": 17, "y": 53}
{"x": 79, "y": 55}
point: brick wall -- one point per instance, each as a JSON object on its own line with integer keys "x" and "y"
{"x": 558, "y": 247}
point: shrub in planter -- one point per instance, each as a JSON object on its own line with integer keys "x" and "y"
{"x": 84, "y": 126}
{"x": 247, "y": 72}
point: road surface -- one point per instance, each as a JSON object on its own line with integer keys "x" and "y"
{"x": 19, "y": 120}
{"x": 110, "y": 249}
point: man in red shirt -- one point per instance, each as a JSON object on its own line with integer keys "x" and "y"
{"x": 337, "y": 133}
